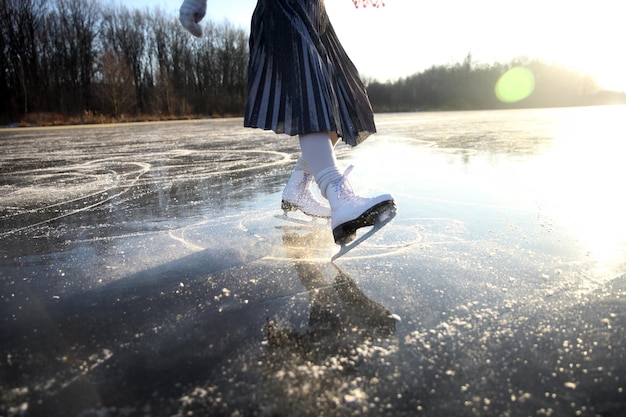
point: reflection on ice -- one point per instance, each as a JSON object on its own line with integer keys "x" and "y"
{"x": 345, "y": 331}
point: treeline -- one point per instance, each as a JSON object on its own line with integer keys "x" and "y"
{"x": 470, "y": 86}
{"x": 87, "y": 57}
{"x": 80, "y": 61}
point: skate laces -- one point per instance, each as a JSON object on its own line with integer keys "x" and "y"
{"x": 343, "y": 187}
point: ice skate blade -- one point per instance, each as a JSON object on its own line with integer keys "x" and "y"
{"x": 346, "y": 232}
{"x": 384, "y": 216}
{"x": 286, "y": 207}
{"x": 312, "y": 221}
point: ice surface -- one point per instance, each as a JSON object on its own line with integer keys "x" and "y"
{"x": 144, "y": 271}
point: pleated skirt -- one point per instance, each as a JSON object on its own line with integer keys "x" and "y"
{"x": 300, "y": 79}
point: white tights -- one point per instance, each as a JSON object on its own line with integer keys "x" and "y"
{"x": 319, "y": 154}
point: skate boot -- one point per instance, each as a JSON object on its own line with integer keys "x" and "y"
{"x": 297, "y": 195}
{"x": 350, "y": 212}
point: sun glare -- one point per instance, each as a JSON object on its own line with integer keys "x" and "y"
{"x": 515, "y": 85}
{"x": 581, "y": 182}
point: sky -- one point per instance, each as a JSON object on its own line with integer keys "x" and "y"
{"x": 408, "y": 36}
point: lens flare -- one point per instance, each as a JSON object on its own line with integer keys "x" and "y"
{"x": 515, "y": 85}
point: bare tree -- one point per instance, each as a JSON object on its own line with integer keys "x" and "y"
{"x": 115, "y": 85}
{"x": 72, "y": 28}
{"x": 22, "y": 22}
{"x": 124, "y": 32}
{"x": 167, "y": 98}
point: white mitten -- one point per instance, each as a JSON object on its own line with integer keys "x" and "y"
{"x": 191, "y": 13}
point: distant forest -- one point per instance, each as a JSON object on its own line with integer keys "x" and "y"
{"x": 86, "y": 61}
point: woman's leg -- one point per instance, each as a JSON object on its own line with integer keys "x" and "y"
{"x": 318, "y": 151}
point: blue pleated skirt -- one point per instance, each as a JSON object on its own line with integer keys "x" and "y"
{"x": 300, "y": 79}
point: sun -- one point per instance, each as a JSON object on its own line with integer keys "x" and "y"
{"x": 609, "y": 76}
{"x": 606, "y": 68}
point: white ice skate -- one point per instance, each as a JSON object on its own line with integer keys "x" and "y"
{"x": 351, "y": 212}
{"x": 297, "y": 195}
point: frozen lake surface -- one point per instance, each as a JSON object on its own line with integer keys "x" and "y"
{"x": 143, "y": 272}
